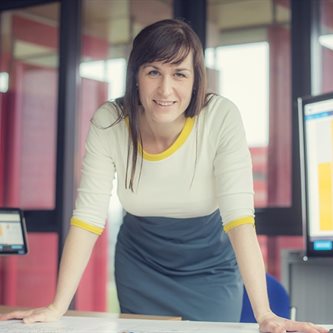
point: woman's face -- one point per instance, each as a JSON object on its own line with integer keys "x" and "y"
{"x": 165, "y": 89}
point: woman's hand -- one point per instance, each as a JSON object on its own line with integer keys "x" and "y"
{"x": 271, "y": 323}
{"x": 46, "y": 314}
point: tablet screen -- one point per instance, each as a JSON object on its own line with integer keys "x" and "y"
{"x": 12, "y": 232}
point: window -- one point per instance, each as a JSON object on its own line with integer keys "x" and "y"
{"x": 28, "y": 105}
{"x": 326, "y": 42}
{"x": 28, "y": 125}
{"x": 248, "y": 60}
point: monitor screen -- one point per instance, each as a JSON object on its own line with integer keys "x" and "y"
{"x": 12, "y": 232}
{"x": 316, "y": 143}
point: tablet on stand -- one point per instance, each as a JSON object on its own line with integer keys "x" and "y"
{"x": 13, "y": 234}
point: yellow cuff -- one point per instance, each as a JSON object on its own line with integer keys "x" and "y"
{"x": 86, "y": 226}
{"x": 238, "y": 222}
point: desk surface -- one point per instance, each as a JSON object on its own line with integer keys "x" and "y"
{"x": 108, "y": 323}
{"x": 105, "y": 325}
{"x": 74, "y": 313}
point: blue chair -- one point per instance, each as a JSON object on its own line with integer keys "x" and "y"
{"x": 278, "y": 299}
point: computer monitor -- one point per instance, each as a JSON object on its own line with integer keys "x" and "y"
{"x": 13, "y": 238}
{"x": 316, "y": 153}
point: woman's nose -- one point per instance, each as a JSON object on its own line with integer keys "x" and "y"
{"x": 165, "y": 85}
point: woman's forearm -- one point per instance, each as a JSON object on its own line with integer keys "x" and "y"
{"x": 249, "y": 257}
{"x": 76, "y": 253}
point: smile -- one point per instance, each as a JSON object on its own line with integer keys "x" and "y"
{"x": 164, "y": 103}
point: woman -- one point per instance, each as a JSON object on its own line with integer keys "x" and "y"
{"x": 182, "y": 167}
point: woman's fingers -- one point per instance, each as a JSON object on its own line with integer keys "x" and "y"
{"x": 16, "y": 315}
{"x": 304, "y": 327}
{"x": 46, "y": 314}
{"x": 275, "y": 324}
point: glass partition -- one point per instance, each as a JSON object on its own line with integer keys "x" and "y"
{"x": 28, "y": 105}
{"x": 326, "y": 44}
{"x": 248, "y": 60}
{"x": 28, "y": 125}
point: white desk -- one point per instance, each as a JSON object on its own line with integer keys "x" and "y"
{"x": 108, "y": 315}
{"x": 79, "y": 324}
{"x": 103, "y": 325}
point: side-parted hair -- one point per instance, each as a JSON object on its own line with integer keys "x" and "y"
{"x": 168, "y": 41}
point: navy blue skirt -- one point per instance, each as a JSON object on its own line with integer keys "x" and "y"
{"x": 177, "y": 267}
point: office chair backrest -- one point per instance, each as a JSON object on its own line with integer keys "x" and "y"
{"x": 278, "y": 299}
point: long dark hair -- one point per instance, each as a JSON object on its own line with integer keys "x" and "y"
{"x": 169, "y": 41}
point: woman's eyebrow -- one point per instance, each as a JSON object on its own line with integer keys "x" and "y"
{"x": 150, "y": 65}
{"x": 180, "y": 69}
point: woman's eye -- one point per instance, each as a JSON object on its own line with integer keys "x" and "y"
{"x": 153, "y": 73}
{"x": 180, "y": 75}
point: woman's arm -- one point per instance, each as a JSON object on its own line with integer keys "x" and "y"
{"x": 251, "y": 265}
{"x": 76, "y": 253}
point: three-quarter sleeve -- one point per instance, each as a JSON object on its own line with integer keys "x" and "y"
{"x": 98, "y": 170}
{"x": 233, "y": 170}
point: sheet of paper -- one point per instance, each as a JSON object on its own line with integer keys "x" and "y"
{"x": 105, "y": 325}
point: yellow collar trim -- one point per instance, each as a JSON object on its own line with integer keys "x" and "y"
{"x": 186, "y": 131}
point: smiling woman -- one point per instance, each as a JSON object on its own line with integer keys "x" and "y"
{"x": 169, "y": 45}
{"x": 188, "y": 240}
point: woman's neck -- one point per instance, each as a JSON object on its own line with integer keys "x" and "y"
{"x": 157, "y": 137}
